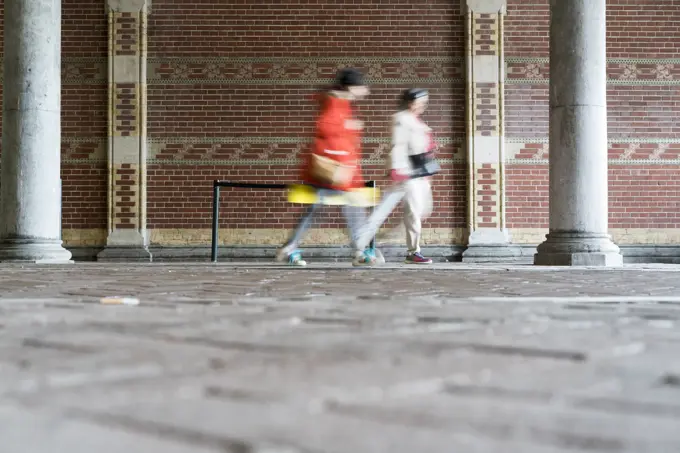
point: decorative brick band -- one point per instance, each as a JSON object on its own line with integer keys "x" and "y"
{"x": 285, "y": 150}
{"x": 302, "y": 71}
{"x": 379, "y": 70}
{"x": 621, "y": 151}
{"x": 620, "y": 71}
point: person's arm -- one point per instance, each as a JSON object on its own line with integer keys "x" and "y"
{"x": 332, "y": 124}
{"x": 399, "y": 161}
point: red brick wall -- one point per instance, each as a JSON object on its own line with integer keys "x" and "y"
{"x": 229, "y": 86}
{"x": 643, "y": 104}
{"x": 84, "y": 113}
{"x": 229, "y": 97}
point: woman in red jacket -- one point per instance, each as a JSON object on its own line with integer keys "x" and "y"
{"x": 333, "y": 164}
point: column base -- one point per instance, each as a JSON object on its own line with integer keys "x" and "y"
{"x": 578, "y": 249}
{"x": 126, "y": 246}
{"x": 123, "y": 254}
{"x": 34, "y": 251}
{"x": 490, "y": 245}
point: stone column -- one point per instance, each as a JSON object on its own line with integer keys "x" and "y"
{"x": 578, "y": 138}
{"x": 488, "y": 238}
{"x": 127, "y": 148}
{"x": 30, "y": 193}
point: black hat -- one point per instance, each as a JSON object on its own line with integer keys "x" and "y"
{"x": 350, "y": 77}
{"x": 413, "y": 93}
{"x": 410, "y": 95}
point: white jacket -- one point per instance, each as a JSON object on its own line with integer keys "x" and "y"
{"x": 409, "y": 137}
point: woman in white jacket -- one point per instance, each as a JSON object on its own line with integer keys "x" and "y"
{"x": 411, "y": 163}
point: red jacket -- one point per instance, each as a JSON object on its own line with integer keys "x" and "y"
{"x": 332, "y": 135}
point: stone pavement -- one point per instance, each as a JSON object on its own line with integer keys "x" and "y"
{"x": 255, "y": 359}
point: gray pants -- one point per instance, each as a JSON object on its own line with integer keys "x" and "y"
{"x": 354, "y": 217}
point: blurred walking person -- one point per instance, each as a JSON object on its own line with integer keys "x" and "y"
{"x": 411, "y": 164}
{"x": 332, "y": 166}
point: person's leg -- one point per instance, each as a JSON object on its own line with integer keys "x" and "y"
{"x": 355, "y": 217}
{"x": 379, "y": 215}
{"x": 418, "y": 207}
{"x": 288, "y": 252}
{"x": 413, "y": 229}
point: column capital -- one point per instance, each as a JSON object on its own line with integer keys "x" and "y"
{"x": 483, "y": 6}
{"x": 128, "y": 6}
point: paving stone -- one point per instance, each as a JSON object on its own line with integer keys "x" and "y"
{"x": 24, "y": 431}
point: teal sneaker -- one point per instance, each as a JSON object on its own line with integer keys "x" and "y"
{"x": 295, "y": 259}
{"x": 290, "y": 256}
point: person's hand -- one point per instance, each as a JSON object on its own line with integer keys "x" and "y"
{"x": 355, "y": 125}
{"x": 398, "y": 176}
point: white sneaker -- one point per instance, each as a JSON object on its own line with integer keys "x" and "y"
{"x": 364, "y": 259}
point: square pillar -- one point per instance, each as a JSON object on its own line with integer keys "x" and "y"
{"x": 127, "y": 145}
{"x": 488, "y": 240}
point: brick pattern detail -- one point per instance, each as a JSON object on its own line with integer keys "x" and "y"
{"x": 532, "y": 151}
{"x": 622, "y": 152}
{"x": 617, "y": 72}
{"x": 91, "y": 150}
{"x": 126, "y": 33}
{"x": 126, "y": 109}
{"x": 163, "y": 70}
{"x": 486, "y": 28}
{"x": 487, "y": 110}
{"x": 126, "y": 193}
{"x": 267, "y": 153}
{"x": 487, "y": 188}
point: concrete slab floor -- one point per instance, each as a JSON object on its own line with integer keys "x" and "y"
{"x": 263, "y": 358}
